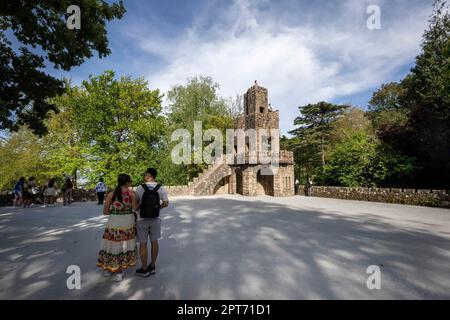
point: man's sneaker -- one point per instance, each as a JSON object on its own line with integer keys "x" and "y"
{"x": 142, "y": 273}
{"x": 152, "y": 269}
{"x": 118, "y": 276}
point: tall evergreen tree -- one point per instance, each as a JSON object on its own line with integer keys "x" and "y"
{"x": 428, "y": 98}
{"x": 314, "y": 127}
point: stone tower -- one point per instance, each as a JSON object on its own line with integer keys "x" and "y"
{"x": 257, "y": 179}
{"x": 250, "y": 178}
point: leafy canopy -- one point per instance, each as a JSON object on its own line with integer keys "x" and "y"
{"x": 41, "y": 24}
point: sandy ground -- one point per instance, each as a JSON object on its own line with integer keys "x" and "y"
{"x": 232, "y": 247}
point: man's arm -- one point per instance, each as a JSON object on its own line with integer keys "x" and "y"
{"x": 165, "y": 204}
{"x": 138, "y": 194}
{"x": 134, "y": 204}
{"x": 134, "y": 201}
{"x": 164, "y": 198}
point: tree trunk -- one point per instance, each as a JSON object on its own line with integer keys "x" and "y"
{"x": 322, "y": 149}
{"x": 74, "y": 178}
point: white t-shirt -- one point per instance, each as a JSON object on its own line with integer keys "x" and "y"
{"x": 140, "y": 191}
{"x": 100, "y": 187}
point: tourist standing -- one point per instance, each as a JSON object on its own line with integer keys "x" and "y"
{"x": 118, "y": 247}
{"x": 151, "y": 197}
{"x": 309, "y": 187}
{"x": 100, "y": 188}
{"x": 50, "y": 193}
{"x": 67, "y": 191}
{"x": 27, "y": 193}
{"x": 18, "y": 192}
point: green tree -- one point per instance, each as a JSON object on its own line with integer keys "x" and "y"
{"x": 312, "y": 136}
{"x": 388, "y": 97}
{"x": 362, "y": 159}
{"x": 119, "y": 125}
{"x": 428, "y": 99}
{"x": 359, "y": 158}
{"x": 389, "y": 117}
{"x": 24, "y": 86}
{"x": 21, "y": 155}
{"x": 413, "y": 117}
{"x": 351, "y": 163}
{"x": 306, "y": 160}
{"x": 62, "y": 147}
{"x": 198, "y": 100}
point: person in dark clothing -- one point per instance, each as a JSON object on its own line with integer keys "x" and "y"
{"x": 28, "y": 192}
{"x": 67, "y": 191}
{"x": 309, "y": 187}
{"x": 18, "y": 192}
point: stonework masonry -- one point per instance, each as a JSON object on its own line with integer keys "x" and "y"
{"x": 416, "y": 197}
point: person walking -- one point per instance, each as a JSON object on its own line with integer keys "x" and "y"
{"x": 67, "y": 191}
{"x": 118, "y": 246}
{"x": 100, "y": 189}
{"x": 151, "y": 197}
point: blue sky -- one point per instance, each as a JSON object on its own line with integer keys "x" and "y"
{"x": 302, "y": 51}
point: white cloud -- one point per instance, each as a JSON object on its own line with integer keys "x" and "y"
{"x": 334, "y": 57}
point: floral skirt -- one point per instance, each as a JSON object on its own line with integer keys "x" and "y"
{"x": 118, "y": 247}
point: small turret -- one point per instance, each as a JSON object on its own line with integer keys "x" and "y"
{"x": 256, "y": 100}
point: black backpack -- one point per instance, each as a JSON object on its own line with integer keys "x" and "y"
{"x": 150, "y": 202}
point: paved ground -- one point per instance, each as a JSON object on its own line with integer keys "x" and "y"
{"x": 232, "y": 247}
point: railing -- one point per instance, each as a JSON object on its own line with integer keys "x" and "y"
{"x": 282, "y": 157}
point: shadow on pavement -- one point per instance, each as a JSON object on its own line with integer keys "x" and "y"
{"x": 221, "y": 248}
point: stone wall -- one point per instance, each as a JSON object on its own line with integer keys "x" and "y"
{"x": 268, "y": 120}
{"x": 177, "y": 191}
{"x": 284, "y": 181}
{"x": 417, "y": 197}
{"x": 6, "y": 199}
{"x": 82, "y": 195}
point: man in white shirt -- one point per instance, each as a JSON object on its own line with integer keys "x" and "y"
{"x": 149, "y": 227}
{"x": 100, "y": 188}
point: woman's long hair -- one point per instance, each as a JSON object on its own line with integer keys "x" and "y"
{"x": 51, "y": 183}
{"x": 122, "y": 180}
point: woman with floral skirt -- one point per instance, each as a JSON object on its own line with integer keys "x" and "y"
{"x": 118, "y": 247}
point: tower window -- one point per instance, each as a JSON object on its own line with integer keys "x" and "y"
{"x": 261, "y": 109}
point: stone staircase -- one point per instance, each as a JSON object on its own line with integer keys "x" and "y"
{"x": 204, "y": 184}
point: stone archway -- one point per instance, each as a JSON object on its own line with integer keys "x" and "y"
{"x": 264, "y": 184}
{"x": 223, "y": 186}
